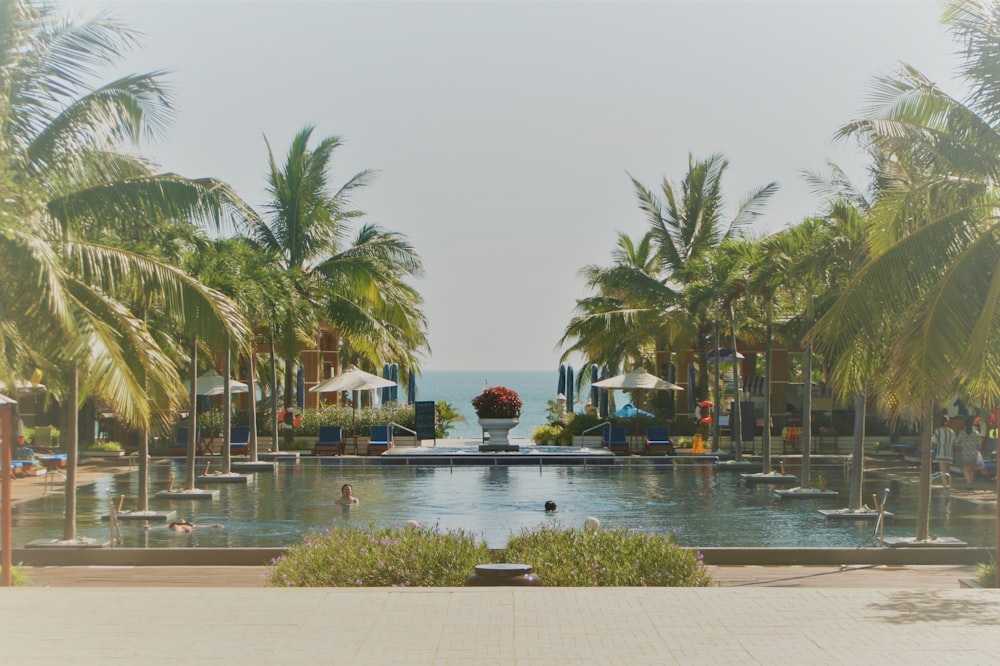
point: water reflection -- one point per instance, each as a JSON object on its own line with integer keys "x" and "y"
{"x": 705, "y": 507}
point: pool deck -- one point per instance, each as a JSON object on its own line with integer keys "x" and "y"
{"x": 754, "y": 614}
{"x": 857, "y": 621}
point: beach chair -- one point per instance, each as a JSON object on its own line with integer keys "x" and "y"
{"x": 614, "y": 439}
{"x": 658, "y": 441}
{"x": 179, "y": 445}
{"x": 329, "y": 442}
{"x": 380, "y": 440}
{"x": 239, "y": 441}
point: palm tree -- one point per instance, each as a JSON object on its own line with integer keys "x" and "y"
{"x": 615, "y": 328}
{"x": 359, "y": 286}
{"x": 688, "y": 226}
{"x": 70, "y": 196}
{"x": 644, "y": 302}
{"x": 931, "y": 289}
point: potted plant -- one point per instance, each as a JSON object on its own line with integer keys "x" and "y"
{"x": 498, "y": 409}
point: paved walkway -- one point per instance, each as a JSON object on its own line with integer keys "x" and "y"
{"x": 463, "y": 626}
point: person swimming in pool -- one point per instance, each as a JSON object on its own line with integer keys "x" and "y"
{"x": 182, "y": 526}
{"x": 347, "y": 497}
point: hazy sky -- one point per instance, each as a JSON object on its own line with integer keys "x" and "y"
{"x": 504, "y": 133}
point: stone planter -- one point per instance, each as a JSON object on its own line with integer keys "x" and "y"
{"x": 498, "y": 430}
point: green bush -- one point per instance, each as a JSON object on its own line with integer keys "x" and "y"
{"x": 351, "y": 557}
{"x": 353, "y": 423}
{"x": 210, "y": 423}
{"x": 18, "y": 577}
{"x": 606, "y": 558}
{"x": 986, "y": 575}
{"x": 105, "y": 447}
{"x": 547, "y": 434}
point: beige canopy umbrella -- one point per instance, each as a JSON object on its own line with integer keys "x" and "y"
{"x": 352, "y": 379}
{"x": 637, "y": 380}
{"x": 212, "y": 383}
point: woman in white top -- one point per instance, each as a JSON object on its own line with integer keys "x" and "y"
{"x": 943, "y": 447}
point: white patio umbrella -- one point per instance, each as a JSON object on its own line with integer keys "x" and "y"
{"x": 352, "y": 379}
{"x": 637, "y": 380}
{"x": 212, "y": 383}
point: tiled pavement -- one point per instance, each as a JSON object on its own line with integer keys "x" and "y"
{"x": 746, "y": 625}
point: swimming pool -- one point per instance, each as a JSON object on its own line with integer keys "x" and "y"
{"x": 702, "y": 504}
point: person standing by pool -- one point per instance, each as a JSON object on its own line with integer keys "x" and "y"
{"x": 967, "y": 452}
{"x": 347, "y": 497}
{"x": 942, "y": 447}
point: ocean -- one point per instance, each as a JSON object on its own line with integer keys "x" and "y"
{"x": 535, "y": 387}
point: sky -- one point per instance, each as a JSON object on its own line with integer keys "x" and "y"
{"x": 504, "y": 134}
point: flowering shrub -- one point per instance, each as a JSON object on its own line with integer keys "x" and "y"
{"x": 352, "y": 557}
{"x": 497, "y": 402}
{"x": 607, "y": 558}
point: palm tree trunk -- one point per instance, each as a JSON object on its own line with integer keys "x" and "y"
{"x": 274, "y": 393}
{"x": 924, "y": 497}
{"x": 735, "y": 428}
{"x": 858, "y": 454}
{"x": 768, "y": 344}
{"x": 142, "y": 501}
{"x": 715, "y": 392}
{"x": 72, "y": 431}
{"x": 227, "y": 415}
{"x": 252, "y": 402}
{"x": 192, "y": 418}
{"x": 807, "y": 415}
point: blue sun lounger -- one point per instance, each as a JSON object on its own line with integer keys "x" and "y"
{"x": 658, "y": 441}
{"x": 179, "y": 445}
{"x": 239, "y": 441}
{"x": 380, "y": 440}
{"x": 615, "y": 440}
{"x": 329, "y": 442}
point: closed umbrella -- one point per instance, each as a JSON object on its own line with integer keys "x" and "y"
{"x": 595, "y": 392}
{"x": 602, "y": 408}
{"x": 569, "y": 388}
{"x": 411, "y": 387}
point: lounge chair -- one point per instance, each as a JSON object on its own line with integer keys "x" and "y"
{"x": 179, "y": 445}
{"x": 239, "y": 441}
{"x": 614, "y": 439}
{"x": 330, "y": 441}
{"x": 658, "y": 441}
{"x": 380, "y": 440}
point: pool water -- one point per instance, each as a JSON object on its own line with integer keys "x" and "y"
{"x": 702, "y": 505}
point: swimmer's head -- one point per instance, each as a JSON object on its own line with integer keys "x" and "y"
{"x": 550, "y": 506}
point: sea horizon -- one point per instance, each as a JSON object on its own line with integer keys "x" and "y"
{"x": 458, "y": 387}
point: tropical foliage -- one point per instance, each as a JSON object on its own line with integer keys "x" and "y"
{"x": 386, "y": 557}
{"x": 607, "y": 558}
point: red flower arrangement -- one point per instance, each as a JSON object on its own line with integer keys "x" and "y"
{"x": 497, "y": 402}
